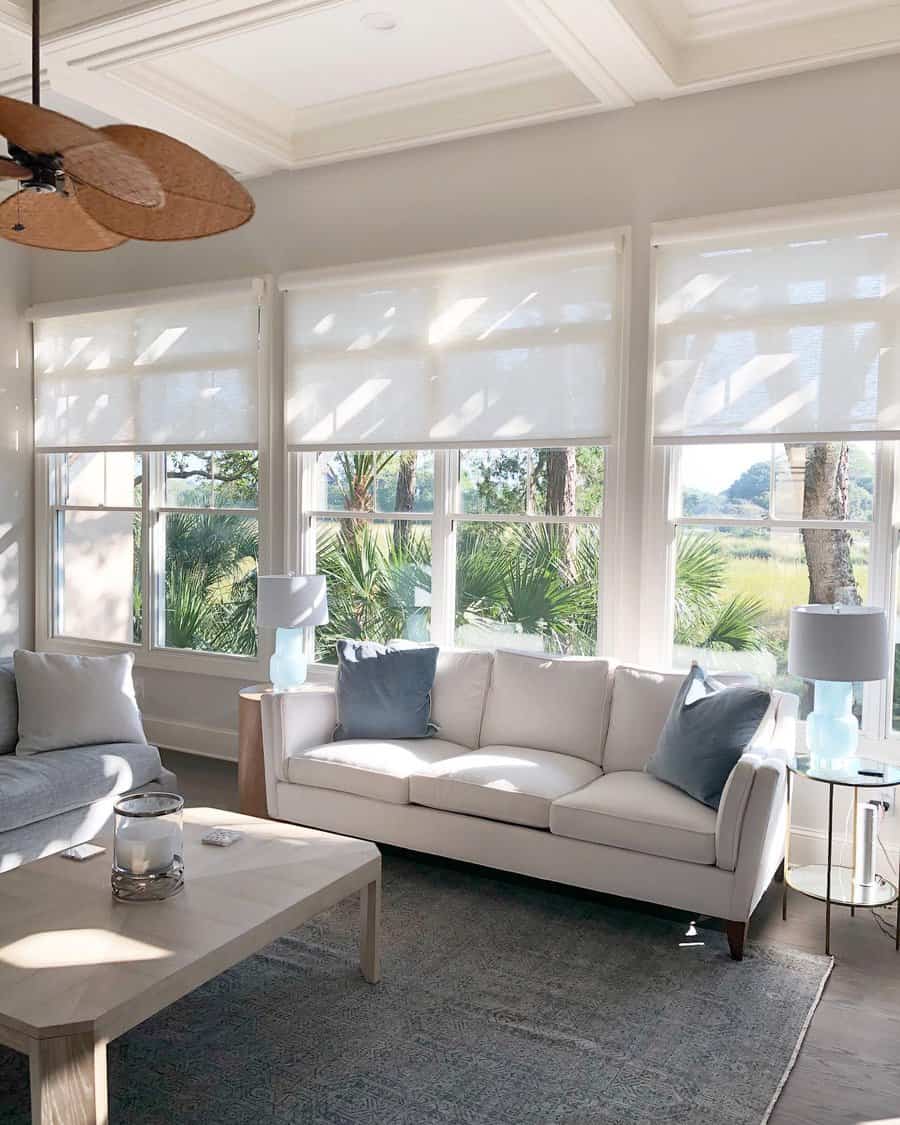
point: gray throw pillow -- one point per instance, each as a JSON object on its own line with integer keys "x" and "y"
{"x": 9, "y": 707}
{"x": 384, "y": 692}
{"x": 708, "y": 729}
{"x": 75, "y": 701}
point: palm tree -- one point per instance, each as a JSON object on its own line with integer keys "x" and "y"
{"x": 703, "y": 619}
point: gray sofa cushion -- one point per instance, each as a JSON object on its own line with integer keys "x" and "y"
{"x": 9, "y": 707}
{"x": 36, "y": 787}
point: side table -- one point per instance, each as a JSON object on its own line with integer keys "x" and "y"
{"x": 826, "y": 881}
{"x": 251, "y": 767}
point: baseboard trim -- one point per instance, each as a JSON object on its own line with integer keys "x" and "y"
{"x": 193, "y": 738}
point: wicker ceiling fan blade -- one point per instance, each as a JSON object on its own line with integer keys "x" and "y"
{"x": 10, "y": 170}
{"x": 53, "y": 221}
{"x": 201, "y": 198}
{"x": 107, "y": 167}
{"x": 41, "y": 130}
{"x": 87, "y": 155}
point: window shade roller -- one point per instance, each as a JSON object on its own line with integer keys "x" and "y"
{"x": 502, "y": 353}
{"x": 785, "y": 334}
{"x": 179, "y": 374}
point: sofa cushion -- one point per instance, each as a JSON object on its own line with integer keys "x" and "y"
{"x": 641, "y": 701}
{"x": 42, "y": 785}
{"x": 376, "y": 768}
{"x": 75, "y": 701}
{"x": 457, "y": 699}
{"x": 384, "y": 692}
{"x": 633, "y": 810}
{"x": 501, "y": 783}
{"x": 707, "y": 731}
{"x": 548, "y": 703}
{"x": 9, "y": 707}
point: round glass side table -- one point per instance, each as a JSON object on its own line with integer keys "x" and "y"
{"x": 826, "y": 881}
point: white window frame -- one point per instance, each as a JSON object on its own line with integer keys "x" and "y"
{"x": 150, "y": 652}
{"x": 661, "y": 519}
{"x": 300, "y": 466}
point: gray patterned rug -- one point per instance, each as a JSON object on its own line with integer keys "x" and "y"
{"x": 502, "y": 1002}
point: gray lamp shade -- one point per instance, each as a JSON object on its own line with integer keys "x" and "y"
{"x": 288, "y": 601}
{"x": 846, "y": 643}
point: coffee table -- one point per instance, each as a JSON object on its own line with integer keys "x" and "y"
{"x": 78, "y": 968}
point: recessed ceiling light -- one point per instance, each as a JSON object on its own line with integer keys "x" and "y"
{"x": 379, "y": 21}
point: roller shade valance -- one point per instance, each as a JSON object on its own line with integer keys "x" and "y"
{"x": 506, "y": 352}
{"x": 177, "y": 374}
{"x": 786, "y": 334}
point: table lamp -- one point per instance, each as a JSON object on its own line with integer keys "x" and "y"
{"x": 836, "y": 646}
{"x": 290, "y": 603}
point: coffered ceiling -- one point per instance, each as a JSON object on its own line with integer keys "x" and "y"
{"x": 263, "y": 85}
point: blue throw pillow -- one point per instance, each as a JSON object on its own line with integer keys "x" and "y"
{"x": 708, "y": 729}
{"x": 384, "y": 692}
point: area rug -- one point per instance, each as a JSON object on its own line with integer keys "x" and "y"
{"x": 502, "y": 1003}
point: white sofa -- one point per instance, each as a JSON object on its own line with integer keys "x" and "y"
{"x": 538, "y": 768}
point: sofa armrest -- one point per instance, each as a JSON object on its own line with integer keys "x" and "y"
{"x": 775, "y": 740}
{"x": 294, "y": 721}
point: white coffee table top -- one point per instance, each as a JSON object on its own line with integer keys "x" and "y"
{"x": 73, "y": 959}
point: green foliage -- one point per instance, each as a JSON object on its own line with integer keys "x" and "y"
{"x": 752, "y": 485}
{"x": 703, "y": 617}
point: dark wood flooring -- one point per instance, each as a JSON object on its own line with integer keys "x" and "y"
{"x": 848, "y": 1072}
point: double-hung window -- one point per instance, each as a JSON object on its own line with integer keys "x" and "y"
{"x": 775, "y": 404}
{"x": 452, "y": 426}
{"x": 147, "y": 434}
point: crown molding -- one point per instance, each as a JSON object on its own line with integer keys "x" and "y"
{"x": 483, "y": 79}
{"x": 322, "y": 139}
{"x": 764, "y": 15}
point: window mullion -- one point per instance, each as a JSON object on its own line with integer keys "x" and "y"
{"x": 154, "y": 547}
{"x": 876, "y": 715}
{"x": 443, "y": 548}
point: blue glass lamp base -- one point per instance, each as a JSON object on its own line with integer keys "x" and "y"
{"x": 831, "y": 728}
{"x": 287, "y": 667}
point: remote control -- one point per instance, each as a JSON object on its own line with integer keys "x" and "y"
{"x": 221, "y": 837}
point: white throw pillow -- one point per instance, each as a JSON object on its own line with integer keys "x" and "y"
{"x": 551, "y": 703}
{"x": 75, "y": 701}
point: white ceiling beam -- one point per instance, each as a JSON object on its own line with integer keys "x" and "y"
{"x": 618, "y": 50}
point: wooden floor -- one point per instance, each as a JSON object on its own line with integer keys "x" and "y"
{"x": 848, "y": 1072}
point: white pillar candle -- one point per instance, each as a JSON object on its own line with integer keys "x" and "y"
{"x": 146, "y": 847}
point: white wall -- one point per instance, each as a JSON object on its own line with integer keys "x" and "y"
{"x": 811, "y": 136}
{"x": 16, "y": 489}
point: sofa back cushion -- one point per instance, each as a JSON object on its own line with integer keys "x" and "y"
{"x": 457, "y": 699}
{"x": 9, "y": 707}
{"x": 641, "y": 701}
{"x": 75, "y": 701}
{"x": 548, "y": 703}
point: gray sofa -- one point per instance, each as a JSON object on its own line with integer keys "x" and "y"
{"x": 53, "y": 800}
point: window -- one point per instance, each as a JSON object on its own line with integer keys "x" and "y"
{"x": 774, "y": 410}
{"x": 97, "y": 529}
{"x": 750, "y": 544}
{"x": 153, "y": 535}
{"x": 452, "y": 427}
{"x": 528, "y": 548}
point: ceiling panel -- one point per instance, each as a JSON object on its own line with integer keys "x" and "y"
{"x": 332, "y": 53}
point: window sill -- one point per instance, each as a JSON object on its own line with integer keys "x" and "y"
{"x": 248, "y": 668}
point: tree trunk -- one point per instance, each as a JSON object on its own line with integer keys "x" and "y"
{"x": 405, "y": 496}
{"x": 826, "y": 496}
{"x": 562, "y": 478}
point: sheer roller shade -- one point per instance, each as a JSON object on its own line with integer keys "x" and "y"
{"x": 789, "y": 333}
{"x": 510, "y": 352}
{"x": 181, "y": 374}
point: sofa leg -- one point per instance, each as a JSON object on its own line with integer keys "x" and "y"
{"x": 736, "y": 932}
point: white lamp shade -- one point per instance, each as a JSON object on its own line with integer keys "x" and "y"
{"x": 289, "y": 601}
{"x": 845, "y": 643}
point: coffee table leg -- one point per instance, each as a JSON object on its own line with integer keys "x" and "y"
{"x": 370, "y": 931}
{"x": 68, "y": 1081}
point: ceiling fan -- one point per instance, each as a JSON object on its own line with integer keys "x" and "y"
{"x": 93, "y": 189}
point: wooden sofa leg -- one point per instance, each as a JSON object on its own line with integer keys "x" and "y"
{"x": 736, "y": 932}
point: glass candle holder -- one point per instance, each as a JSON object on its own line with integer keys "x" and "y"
{"x": 148, "y": 849}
